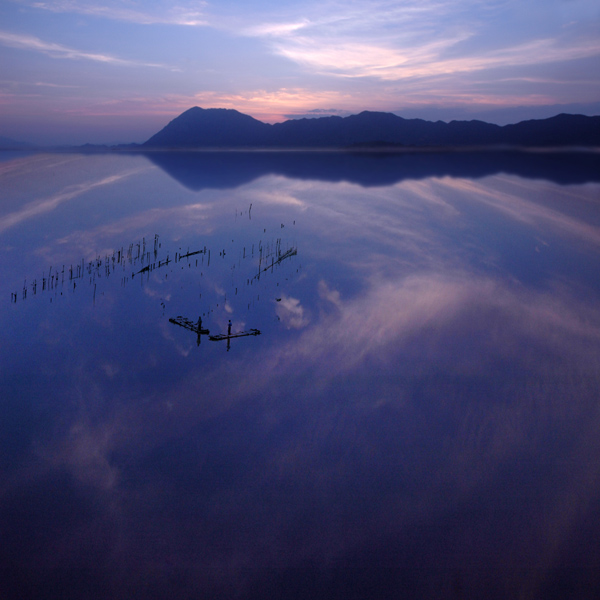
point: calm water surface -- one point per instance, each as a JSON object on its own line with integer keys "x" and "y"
{"x": 299, "y": 376}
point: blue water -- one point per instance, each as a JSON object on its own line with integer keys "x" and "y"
{"x": 418, "y": 416}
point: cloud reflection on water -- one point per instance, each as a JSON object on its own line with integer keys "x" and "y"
{"x": 515, "y": 203}
{"x": 424, "y": 413}
{"x": 411, "y": 352}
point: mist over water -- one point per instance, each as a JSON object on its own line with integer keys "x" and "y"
{"x": 300, "y": 375}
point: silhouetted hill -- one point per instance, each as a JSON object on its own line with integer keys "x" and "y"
{"x": 212, "y": 127}
{"x": 561, "y": 130}
{"x": 223, "y": 128}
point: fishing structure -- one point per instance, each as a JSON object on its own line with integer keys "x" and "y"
{"x": 229, "y": 336}
{"x": 140, "y": 261}
{"x": 199, "y": 331}
{"x": 195, "y": 327}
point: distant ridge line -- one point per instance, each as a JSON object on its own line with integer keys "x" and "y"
{"x": 228, "y": 128}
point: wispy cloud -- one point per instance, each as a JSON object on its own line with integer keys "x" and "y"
{"x": 318, "y": 112}
{"x": 347, "y": 59}
{"x": 35, "y": 44}
{"x": 391, "y": 41}
{"x": 367, "y": 60}
{"x": 53, "y": 85}
{"x": 14, "y": 83}
{"x": 182, "y": 13}
{"x": 276, "y": 29}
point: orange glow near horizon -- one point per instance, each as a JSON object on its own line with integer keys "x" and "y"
{"x": 277, "y": 106}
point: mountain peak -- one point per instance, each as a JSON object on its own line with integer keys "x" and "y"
{"x": 210, "y": 127}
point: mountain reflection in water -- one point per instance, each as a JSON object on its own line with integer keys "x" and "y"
{"x": 205, "y": 169}
{"x": 418, "y": 417}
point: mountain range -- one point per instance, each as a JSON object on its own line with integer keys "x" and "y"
{"x": 227, "y": 128}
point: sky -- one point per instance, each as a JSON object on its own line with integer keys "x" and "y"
{"x": 117, "y": 71}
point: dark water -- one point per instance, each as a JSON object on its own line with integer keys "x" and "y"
{"x": 419, "y": 416}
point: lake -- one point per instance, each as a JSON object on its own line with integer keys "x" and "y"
{"x": 300, "y": 375}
